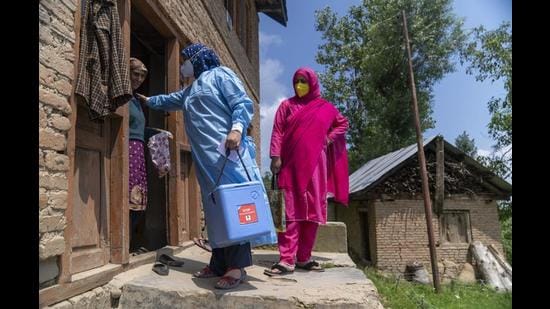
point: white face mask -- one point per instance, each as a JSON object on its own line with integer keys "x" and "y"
{"x": 186, "y": 69}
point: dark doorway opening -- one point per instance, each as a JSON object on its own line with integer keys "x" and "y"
{"x": 148, "y": 45}
{"x": 366, "y": 243}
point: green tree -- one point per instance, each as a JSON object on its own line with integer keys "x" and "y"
{"x": 489, "y": 54}
{"x": 466, "y": 144}
{"x": 366, "y": 74}
{"x": 498, "y": 166}
{"x": 506, "y": 228}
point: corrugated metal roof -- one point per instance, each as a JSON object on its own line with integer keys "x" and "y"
{"x": 375, "y": 169}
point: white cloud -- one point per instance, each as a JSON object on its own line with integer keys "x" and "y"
{"x": 271, "y": 86}
{"x": 267, "y": 115}
{"x": 269, "y": 39}
{"x": 272, "y": 92}
{"x": 506, "y": 150}
{"x": 483, "y": 152}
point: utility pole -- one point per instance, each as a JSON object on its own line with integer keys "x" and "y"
{"x": 422, "y": 162}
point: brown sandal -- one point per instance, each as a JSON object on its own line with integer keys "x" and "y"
{"x": 206, "y": 272}
{"x": 228, "y": 282}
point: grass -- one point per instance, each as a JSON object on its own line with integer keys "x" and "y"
{"x": 400, "y": 294}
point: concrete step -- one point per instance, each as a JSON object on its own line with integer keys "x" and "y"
{"x": 343, "y": 286}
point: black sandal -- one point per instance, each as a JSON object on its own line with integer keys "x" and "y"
{"x": 311, "y": 266}
{"x": 170, "y": 260}
{"x": 139, "y": 251}
{"x": 160, "y": 269}
{"x": 282, "y": 270}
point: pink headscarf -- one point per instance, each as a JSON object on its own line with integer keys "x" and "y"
{"x": 313, "y": 81}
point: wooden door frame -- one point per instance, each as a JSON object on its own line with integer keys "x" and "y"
{"x": 153, "y": 15}
{"x": 175, "y": 125}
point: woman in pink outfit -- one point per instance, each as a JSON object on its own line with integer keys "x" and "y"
{"x": 308, "y": 153}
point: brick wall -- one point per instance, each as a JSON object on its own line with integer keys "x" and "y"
{"x": 56, "y": 65}
{"x": 401, "y": 233}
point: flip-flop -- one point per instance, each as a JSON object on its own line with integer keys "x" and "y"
{"x": 203, "y": 243}
{"x": 311, "y": 266}
{"x": 170, "y": 260}
{"x": 282, "y": 270}
{"x": 160, "y": 269}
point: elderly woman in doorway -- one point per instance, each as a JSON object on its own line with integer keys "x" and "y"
{"x": 216, "y": 108}
{"x": 136, "y": 144}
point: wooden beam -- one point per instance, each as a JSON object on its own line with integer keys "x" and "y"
{"x": 119, "y": 208}
{"x": 65, "y": 259}
{"x": 439, "y": 176}
{"x": 63, "y": 291}
{"x": 150, "y": 10}
{"x": 118, "y": 187}
{"x": 184, "y": 146}
{"x": 174, "y": 205}
{"x": 492, "y": 188}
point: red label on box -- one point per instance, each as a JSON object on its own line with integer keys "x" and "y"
{"x": 247, "y": 214}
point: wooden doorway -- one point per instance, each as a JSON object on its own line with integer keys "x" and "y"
{"x": 365, "y": 235}
{"x": 182, "y": 191}
{"x": 97, "y": 211}
{"x": 148, "y": 45}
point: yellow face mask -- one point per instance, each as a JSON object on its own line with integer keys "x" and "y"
{"x": 301, "y": 88}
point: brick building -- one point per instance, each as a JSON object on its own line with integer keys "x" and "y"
{"x": 83, "y": 165}
{"x": 386, "y": 222}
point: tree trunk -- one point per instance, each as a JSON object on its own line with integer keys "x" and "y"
{"x": 502, "y": 260}
{"x": 494, "y": 273}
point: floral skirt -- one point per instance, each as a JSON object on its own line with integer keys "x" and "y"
{"x": 138, "y": 175}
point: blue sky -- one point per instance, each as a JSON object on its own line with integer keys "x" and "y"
{"x": 460, "y": 102}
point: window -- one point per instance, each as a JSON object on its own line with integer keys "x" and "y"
{"x": 229, "y": 14}
{"x": 455, "y": 227}
{"x": 237, "y": 15}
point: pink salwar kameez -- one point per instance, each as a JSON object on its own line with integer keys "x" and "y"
{"x": 309, "y": 137}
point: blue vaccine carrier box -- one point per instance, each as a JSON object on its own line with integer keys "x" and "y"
{"x": 239, "y": 212}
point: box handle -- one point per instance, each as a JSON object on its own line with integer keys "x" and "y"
{"x": 227, "y": 152}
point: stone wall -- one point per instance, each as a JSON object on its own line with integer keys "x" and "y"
{"x": 56, "y": 65}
